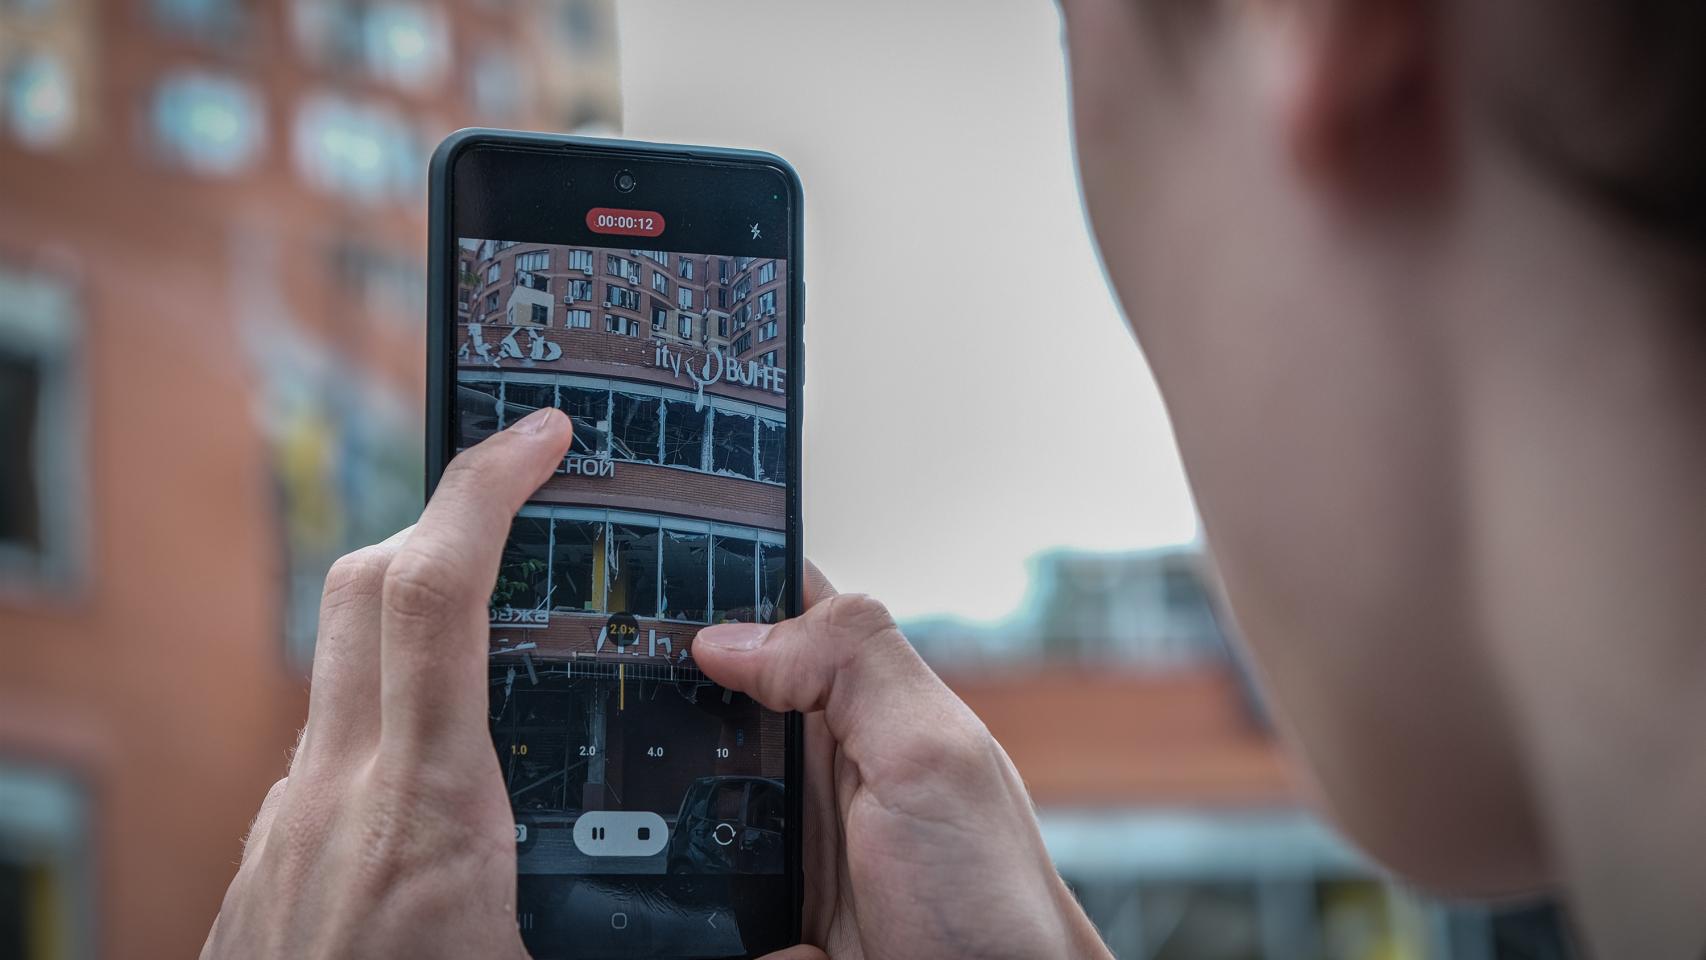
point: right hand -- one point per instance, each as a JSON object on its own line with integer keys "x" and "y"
{"x": 919, "y": 836}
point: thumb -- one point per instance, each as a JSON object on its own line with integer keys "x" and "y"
{"x": 801, "y": 952}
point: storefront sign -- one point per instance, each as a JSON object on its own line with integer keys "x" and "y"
{"x": 527, "y": 344}
{"x": 589, "y": 467}
{"x": 718, "y": 366}
{"x": 514, "y": 617}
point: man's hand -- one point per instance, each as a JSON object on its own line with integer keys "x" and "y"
{"x": 392, "y": 834}
{"x": 920, "y": 840}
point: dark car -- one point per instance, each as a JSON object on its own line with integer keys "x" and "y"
{"x": 729, "y": 825}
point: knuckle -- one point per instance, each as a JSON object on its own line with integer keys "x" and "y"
{"x": 420, "y": 586}
{"x": 857, "y": 614}
{"x": 355, "y": 576}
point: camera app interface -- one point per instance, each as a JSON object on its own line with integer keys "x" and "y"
{"x": 646, "y": 797}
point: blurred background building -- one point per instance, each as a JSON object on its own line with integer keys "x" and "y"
{"x": 212, "y": 284}
{"x": 1163, "y": 794}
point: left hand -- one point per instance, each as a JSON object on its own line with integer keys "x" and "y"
{"x": 392, "y": 835}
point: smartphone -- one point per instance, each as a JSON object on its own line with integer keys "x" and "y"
{"x": 653, "y": 294}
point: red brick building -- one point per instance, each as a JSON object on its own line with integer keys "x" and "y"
{"x": 212, "y": 355}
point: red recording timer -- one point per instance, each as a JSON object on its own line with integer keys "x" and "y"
{"x": 626, "y": 223}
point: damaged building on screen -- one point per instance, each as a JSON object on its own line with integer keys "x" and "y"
{"x": 667, "y": 514}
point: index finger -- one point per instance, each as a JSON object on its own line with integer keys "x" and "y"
{"x": 434, "y": 626}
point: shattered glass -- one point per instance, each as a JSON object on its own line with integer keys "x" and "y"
{"x": 772, "y": 451}
{"x": 686, "y": 584}
{"x": 683, "y": 434}
{"x": 588, "y": 408}
{"x": 732, "y": 444}
{"x": 524, "y": 572}
{"x": 634, "y": 428}
{"x": 476, "y": 411}
{"x": 734, "y": 579}
{"x": 573, "y": 571}
{"x": 521, "y": 399}
{"x": 772, "y": 582}
{"x": 632, "y": 559}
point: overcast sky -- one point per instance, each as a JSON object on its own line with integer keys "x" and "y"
{"x": 972, "y": 396}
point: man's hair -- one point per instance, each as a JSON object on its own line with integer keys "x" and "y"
{"x": 1611, "y": 95}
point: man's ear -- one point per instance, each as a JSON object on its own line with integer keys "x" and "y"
{"x": 1363, "y": 102}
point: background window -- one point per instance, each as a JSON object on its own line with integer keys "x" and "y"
{"x": 686, "y": 267}
{"x": 734, "y": 580}
{"x": 686, "y": 584}
{"x": 578, "y": 319}
{"x": 660, "y": 318}
{"x": 577, "y": 565}
{"x": 534, "y": 260}
{"x": 686, "y": 327}
{"x": 767, "y": 272}
{"x": 732, "y": 444}
{"x": 767, "y": 303}
{"x": 540, "y": 314}
{"x": 40, "y": 105}
{"x": 684, "y": 434}
{"x": 767, "y": 332}
{"x": 634, "y": 428}
{"x": 41, "y": 429}
{"x": 660, "y": 283}
{"x": 633, "y": 560}
{"x": 684, "y": 297}
{"x": 579, "y": 290}
{"x": 208, "y": 123}
{"x": 581, "y": 260}
{"x": 494, "y": 273}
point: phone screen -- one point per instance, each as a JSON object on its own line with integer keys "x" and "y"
{"x": 652, "y": 807}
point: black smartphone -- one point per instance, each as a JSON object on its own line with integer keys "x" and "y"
{"x": 652, "y": 293}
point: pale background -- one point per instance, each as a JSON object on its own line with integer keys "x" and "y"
{"x": 972, "y": 395}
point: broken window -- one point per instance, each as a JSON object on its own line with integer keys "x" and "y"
{"x": 686, "y": 583}
{"x": 734, "y": 581}
{"x": 521, "y": 399}
{"x": 577, "y": 566}
{"x": 524, "y": 573}
{"x": 772, "y": 582}
{"x": 732, "y": 444}
{"x": 772, "y": 451}
{"x": 590, "y": 410}
{"x": 634, "y": 428}
{"x": 476, "y": 411}
{"x": 683, "y": 434}
{"x": 632, "y": 559}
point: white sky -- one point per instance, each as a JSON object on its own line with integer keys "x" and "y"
{"x": 972, "y": 395}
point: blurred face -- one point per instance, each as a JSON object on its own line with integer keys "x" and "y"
{"x": 1277, "y": 269}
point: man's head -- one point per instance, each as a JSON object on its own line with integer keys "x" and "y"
{"x": 1298, "y": 201}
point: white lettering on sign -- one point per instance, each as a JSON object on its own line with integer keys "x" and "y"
{"x": 512, "y": 616}
{"x": 589, "y": 467}
{"x": 654, "y": 643}
{"x": 718, "y": 366}
{"x": 537, "y": 348}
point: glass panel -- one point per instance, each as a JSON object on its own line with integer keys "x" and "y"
{"x": 576, "y": 566}
{"x": 684, "y": 434}
{"x": 727, "y": 802}
{"x": 523, "y": 575}
{"x": 733, "y": 577}
{"x": 773, "y": 582}
{"x": 731, "y": 444}
{"x": 634, "y": 430}
{"x": 587, "y": 408}
{"x": 686, "y": 584}
{"x": 521, "y": 399}
{"x": 633, "y": 563}
{"x": 476, "y": 412}
{"x": 772, "y": 452}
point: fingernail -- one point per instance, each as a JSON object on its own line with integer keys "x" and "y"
{"x": 534, "y": 422}
{"x": 734, "y": 636}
